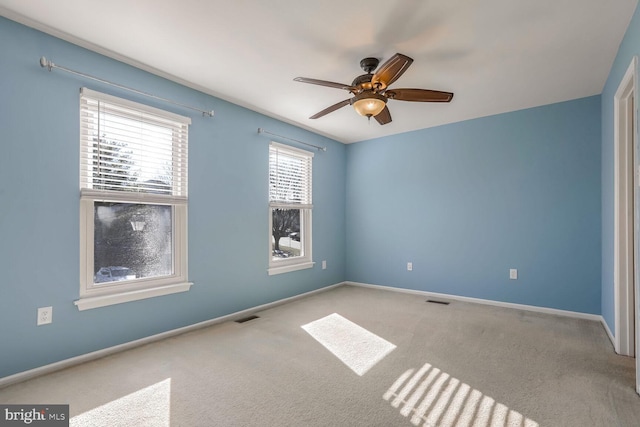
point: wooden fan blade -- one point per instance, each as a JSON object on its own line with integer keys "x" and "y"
{"x": 325, "y": 83}
{"x": 419, "y": 95}
{"x": 384, "y": 116}
{"x": 391, "y": 70}
{"x": 328, "y": 110}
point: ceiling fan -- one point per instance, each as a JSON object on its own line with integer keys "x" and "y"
{"x": 371, "y": 91}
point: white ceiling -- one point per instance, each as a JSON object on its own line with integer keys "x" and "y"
{"x": 495, "y": 55}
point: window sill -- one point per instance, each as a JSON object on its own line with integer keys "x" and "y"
{"x": 291, "y": 267}
{"x": 87, "y": 303}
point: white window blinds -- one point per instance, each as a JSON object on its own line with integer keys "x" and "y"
{"x": 127, "y": 148}
{"x": 289, "y": 176}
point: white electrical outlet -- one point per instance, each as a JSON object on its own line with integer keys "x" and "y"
{"x": 45, "y": 316}
{"x": 409, "y": 266}
{"x": 513, "y": 274}
{"x": 324, "y": 264}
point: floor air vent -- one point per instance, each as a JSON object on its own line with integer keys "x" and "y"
{"x": 246, "y": 319}
{"x": 438, "y": 302}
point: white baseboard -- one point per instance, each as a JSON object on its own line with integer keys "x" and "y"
{"x": 47, "y": 369}
{"x": 537, "y": 309}
{"x": 23, "y": 376}
{"x": 606, "y": 328}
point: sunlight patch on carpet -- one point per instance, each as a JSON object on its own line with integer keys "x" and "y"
{"x": 149, "y": 407}
{"x": 355, "y": 346}
{"x": 434, "y": 398}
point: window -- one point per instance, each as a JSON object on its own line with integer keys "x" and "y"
{"x": 133, "y": 201}
{"x": 290, "y": 208}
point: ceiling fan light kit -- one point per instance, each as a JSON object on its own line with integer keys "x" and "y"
{"x": 369, "y": 104}
{"x": 371, "y": 90}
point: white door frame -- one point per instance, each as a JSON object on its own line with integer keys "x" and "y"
{"x": 625, "y": 271}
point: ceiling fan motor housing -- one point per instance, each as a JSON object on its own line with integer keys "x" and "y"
{"x": 362, "y": 82}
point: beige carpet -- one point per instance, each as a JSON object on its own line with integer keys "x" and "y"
{"x": 358, "y": 357}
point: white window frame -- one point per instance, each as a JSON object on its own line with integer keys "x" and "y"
{"x": 285, "y": 265}
{"x": 104, "y": 294}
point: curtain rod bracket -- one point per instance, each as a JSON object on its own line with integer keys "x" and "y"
{"x": 45, "y": 63}
{"x": 49, "y": 65}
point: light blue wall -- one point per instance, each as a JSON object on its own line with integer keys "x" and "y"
{"x": 464, "y": 202}
{"x": 468, "y": 201}
{"x": 228, "y": 228}
{"x": 629, "y": 47}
